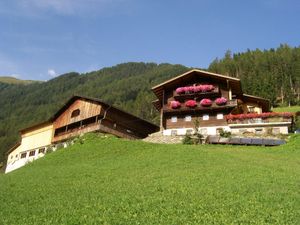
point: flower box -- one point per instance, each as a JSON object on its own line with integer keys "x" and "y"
{"x": 191, "y": 104}
{"x": 221, "y": 101}
{"x": 195, "y": 89}
{"x": 206, "y": 102}
{"x": 175, "y": 104}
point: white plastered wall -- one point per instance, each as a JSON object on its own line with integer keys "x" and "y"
{"x": 203, "y": 130}
{"x": 31, "y": 140}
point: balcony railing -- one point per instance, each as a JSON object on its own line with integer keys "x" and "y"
{"x": 229, "y": 104}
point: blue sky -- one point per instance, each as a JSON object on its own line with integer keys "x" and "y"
{"x": 40, "y": 39}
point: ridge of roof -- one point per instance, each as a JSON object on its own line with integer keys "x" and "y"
{"x": 195, "y": 70}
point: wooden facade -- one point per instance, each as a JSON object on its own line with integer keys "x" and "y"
{"x": 78, "y": 116}
{"x": 213, "y": 116}
{"x": 82, "y": 114}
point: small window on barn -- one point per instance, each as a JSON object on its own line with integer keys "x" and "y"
{"x": 12, "y": 157}
{"x": 75, "y": 113}
{"x": 174, "y": 119}
{"x": 23, "y": 155}
{"x": 42, "y": 150}
{"x": 32, "y": 153}
{"x": 188, "y": 118}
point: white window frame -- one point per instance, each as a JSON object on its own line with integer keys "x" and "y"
{"x": 188, "y": 118}
{"x": 205, "y": 117}
{"x": 174, "y": 119}
{"x": 220, "y": 116}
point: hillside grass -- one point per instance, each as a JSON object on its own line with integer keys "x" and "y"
{"x": 287, "y": 109}
{"x": 114, "y": 181}
{"x": 13, "y": 80}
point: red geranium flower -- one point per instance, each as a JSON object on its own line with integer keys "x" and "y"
{"x": 191, "y": 103}
{"x": 221, "y": 101}
{"x": 175, "y": 104}
{"x": 206, "y": 102}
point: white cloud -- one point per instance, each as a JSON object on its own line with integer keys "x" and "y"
{"x": 52, "y": 73}
{"x": 68, "y": 6}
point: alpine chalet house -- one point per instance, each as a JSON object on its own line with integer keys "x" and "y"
{"x": 217, "y": 102}
{"x": 78, "y": 116}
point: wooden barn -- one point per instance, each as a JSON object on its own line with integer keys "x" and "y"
{"x": 217, "y": 102}
{"x": 78, "y": 115}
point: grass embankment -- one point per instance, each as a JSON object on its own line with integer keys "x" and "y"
{"x": 287, "y": 109}
{"x": 113, "y": 181}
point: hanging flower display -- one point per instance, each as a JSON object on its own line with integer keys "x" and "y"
{"x": 195, "y": 89}
{"x": 180, "y": 90}
{"x": 221, "y": 101}
{"x": 259, "y": 115}
{"x": 175, "y": 104}
{"x": 191, "y": 103}
{"x": 205, "y": 102}
{"x": 206, "y": 87}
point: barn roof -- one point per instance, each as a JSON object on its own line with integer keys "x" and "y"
{"x": 90, "y": 99}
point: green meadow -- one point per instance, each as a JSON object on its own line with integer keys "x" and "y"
{"x": 287, "y": 109}
{"x": 112, "y": 181}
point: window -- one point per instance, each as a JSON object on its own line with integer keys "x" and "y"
{"x": 75, "y": 113}
{"x": 23, "y": 155}
{"x": 188, "y": 118}
{"x": 203, "y": 131}
{"x": 41, "y": 150}
{"x": 259, "y": 131}
{"x": 11, "y": 157}
{"x": 189, "y": 131}
{"x": 220, "y": 116}
{"x": 276, "y": 130}
{"x": 173, "y": 132}
{"x": 174, "y": 119}
{"x": 251, "y": 109}
{"x": 205, "y": 117}
{"x": 32, "y": 153}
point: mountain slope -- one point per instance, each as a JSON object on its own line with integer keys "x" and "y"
{"x": 127, "y": 86}
{"x": 113, "y": 181}
{"x": 13, "y": 80}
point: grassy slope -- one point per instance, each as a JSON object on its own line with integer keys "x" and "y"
{"x": 13, "y": 80}
{"x": 287, "y": 109}
{"x": 112, "y": 181}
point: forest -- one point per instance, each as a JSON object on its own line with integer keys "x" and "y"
{"x": 273, "y": 74}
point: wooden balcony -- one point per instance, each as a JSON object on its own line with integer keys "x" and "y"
{"x": 214, "y": 106}
{"x": 179, "y": 97}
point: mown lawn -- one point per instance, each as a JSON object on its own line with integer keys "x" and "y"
{"x": 113, "y": 181}
{"x": 287, "y": 109}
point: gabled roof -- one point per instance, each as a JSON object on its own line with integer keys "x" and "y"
{"x": 95, "y": 100}
{"x": 265, "y": 103}
{"x": 176, "y": 81}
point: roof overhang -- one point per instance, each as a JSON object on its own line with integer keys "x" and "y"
{"x": 234, "y": 83}
{"x": 265, "y": 103}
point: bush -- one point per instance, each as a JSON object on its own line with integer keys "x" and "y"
{"x": 225, "y": 134}
{"x": 187, "y": 140}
